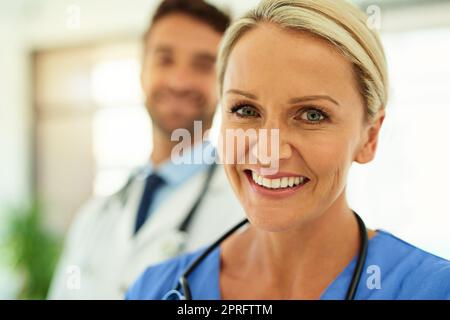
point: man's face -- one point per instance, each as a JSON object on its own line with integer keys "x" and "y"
{"x": 178, "y": 74}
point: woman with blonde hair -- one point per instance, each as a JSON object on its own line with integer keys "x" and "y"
{"x": 315, "y": 72}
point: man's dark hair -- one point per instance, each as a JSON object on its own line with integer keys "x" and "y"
{"x": 197, "y": 9}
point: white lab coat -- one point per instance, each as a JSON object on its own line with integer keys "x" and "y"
{"x": 102, "y": 258}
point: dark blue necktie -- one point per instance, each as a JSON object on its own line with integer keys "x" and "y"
{"x": 152, "y": 184}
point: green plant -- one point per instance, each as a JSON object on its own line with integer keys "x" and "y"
{"x": 34, "y": 250}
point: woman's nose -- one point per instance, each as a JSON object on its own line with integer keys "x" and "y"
{"x": 270, "y": 148}
{"x": 276, "y": 140}
{"x": 285, "y": 150}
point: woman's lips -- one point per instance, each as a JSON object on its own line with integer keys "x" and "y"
{"x": 277, "y": 186}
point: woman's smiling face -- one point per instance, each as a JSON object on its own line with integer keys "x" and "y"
{"x": 301, "y": 85}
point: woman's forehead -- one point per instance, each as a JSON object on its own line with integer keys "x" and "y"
{"x": 289, "y": 60}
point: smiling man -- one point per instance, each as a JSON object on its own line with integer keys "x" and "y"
{"x": 166, "y": 207}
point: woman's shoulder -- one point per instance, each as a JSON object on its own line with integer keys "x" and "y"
{"x": 158, "y": 279}
{"x": 417, "y": 273}
{"x": 401, "y": 249}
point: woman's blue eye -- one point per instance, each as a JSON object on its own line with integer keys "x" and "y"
{"x": 312, "y": 115}
{"x": 245, "y": 111}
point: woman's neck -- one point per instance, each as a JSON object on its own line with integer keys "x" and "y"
{"x": 300, "y": 263}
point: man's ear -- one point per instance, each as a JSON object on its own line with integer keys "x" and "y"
{"x": 369, "y": 145}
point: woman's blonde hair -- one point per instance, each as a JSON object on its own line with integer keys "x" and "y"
{"x": 339, "y": 22}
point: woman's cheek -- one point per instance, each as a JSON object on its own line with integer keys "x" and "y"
{"x": 230, "y": 155}
{"x": 233, "y": 149}
{"x": 323, "y": 156}
{"x": 331, "y": 166}
{"x": 233, "y": 177}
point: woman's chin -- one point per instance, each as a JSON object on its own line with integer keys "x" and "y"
{"x": 274, "y": 220}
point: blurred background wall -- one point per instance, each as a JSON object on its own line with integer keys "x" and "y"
{"x": 72, "y": 120}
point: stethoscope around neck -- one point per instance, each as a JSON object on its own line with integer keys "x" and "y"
{"x": 183, "y": 283}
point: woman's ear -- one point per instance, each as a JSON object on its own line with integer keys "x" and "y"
{"x": 369, "y": 145}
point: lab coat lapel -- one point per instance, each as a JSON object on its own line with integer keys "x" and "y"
{"x": 126, "y": 221}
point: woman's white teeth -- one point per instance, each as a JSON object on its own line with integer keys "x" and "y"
{"x": 278, "y": 183}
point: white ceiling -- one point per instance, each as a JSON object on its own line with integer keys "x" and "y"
{"x": 43, "y": 23}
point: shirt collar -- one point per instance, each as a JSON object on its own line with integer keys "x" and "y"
{"x": 177, "y": 170}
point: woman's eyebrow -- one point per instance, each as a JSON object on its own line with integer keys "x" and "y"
{"x": 310, "y": 98}
{"x": 243, "y": 93}
{"x": 291, "y": 101}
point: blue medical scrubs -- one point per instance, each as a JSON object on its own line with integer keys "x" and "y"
{"x": 394, "y": 269}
